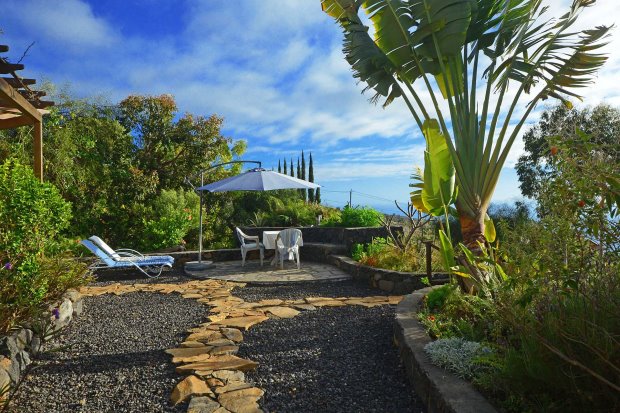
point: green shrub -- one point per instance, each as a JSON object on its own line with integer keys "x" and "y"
{"x": 170, "y": 217}
{"x": 436, "y": 299}
{"x": 355, "y": 217}
{"x": 32, "y": 215}
{"x": 381, "y": 253}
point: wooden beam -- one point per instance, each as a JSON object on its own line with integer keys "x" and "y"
{"x": 6, "y": 68}
{"x": 17, "y": 83}
{"x": 18, "y": 101}
{"x": 4, "y": 48}
{"x": 16, "y": 122}
{"x": 42, "y": 104}
{"x": 37, "y": 137}
{"x": 31, "y": 93}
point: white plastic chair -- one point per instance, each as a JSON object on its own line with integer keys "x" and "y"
{"x": 287, "y": 242}
{"x": 250, "y": 243}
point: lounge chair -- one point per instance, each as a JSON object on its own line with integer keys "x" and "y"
{"x": 250, "y": 243}
{"x": 287, "y": 242}
{"x": 123, "y": 254}
{"x": 151, "y": 266}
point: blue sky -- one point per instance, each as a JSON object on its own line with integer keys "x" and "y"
{"x": 272, "y": 68}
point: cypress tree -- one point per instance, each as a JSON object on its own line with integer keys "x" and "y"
{"x": 317, "y": 196}
{"x": 285, "y": 171}
{"x": 279, "y": 167}
{"x": 292, "y": 170}
{"x": 302, "y": 192}
{"x": 311, "y": 179}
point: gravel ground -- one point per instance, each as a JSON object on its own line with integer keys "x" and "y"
{"x": 116, "y": 361}
{"x": 329, "y": 360}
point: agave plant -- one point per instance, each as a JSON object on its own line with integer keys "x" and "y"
{"x": 484, "y": 64}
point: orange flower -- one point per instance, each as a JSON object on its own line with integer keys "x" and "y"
{"x": 581, "y": 203}
{"x": 431, "y": 318}
{"x": 554, "y": 150}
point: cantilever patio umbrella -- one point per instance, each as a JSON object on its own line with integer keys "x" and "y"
{"x": 257, "y": 179}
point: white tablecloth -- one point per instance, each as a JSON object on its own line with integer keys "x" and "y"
{"x": 269, "y": 241}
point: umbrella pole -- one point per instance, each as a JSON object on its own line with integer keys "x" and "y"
{"x": 202, "y": 182}
{"x": 200, "y": 232}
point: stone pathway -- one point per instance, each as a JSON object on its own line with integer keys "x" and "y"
{"x": 214, "y": 379}
{"x": 255, "y": 274}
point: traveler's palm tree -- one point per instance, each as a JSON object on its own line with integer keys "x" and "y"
{"x": 482, "y": 65}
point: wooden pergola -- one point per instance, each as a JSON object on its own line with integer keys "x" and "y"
{"x": 22, "y": 106}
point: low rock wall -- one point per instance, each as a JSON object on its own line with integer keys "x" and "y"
{"x": 395, "y": 282}
{"x": 18, "y": 348}
{"x": 442, "y": 391}
{"x": 333, "y": 235}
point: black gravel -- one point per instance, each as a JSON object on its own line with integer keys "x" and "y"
{"x": 115, "y": 362}
{"x": 330, "y": 360}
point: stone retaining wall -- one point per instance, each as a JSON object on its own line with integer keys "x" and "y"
{"x": 333, "y": 235}
{"x": 17, "y": 349}
{"x": 442, "y": 391}
{"x": 396, "y": 282}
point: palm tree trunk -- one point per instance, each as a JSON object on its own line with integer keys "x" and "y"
{"x": 472, "y": 230}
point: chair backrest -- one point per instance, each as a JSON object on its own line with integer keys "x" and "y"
{"x": 98, "y": 252}
{"x": 289, "y": 237}
{"x": 105, "y": 247}
{"x": 240, "y": 235}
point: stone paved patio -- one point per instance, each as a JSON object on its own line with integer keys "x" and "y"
{"x": 253, "y": 273}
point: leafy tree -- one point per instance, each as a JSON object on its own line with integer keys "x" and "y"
{"x": 452, "y": 47}
{"x": 602, "y": 123}
{"x": 173, "y": 150}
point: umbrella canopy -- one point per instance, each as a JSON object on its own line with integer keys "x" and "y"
{"x": 258, "y": 179}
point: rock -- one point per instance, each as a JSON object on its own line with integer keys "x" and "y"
{"x": 78, "y": 307}
{"x": 306, "y": 307}
{"x": 386, "y": 285}
{"x": 220, "y": 342}
{"x": 219, "y": 350}
{"x": 395, "y": 299}
{"x": 328, "y": 303}
{"x": 202, "y": 404}
{"x": 65, "y": 313}
{"x": 191, "y": 344}
{"x": 232, "y": 386}
{"x": 271, "y": 302}
{"x": 72, "y": 295}
{"x": 242, "y": 322}
{"x": 188, "y": 352}
{"x": 222, "y": 410}
{"x": 5, "y": 383}
{"x": 189, "y": 386}
{"x": 229, "y": 375}
{"x": 204, "y": 336}
{"x": 242, "y": 401}
{"x": 282, "y": 312}
{"x": 214, "y": 382}
{"x": 219, "y": 363}
{"x": 192, "y": 295}
{"x": 232, "y": 334}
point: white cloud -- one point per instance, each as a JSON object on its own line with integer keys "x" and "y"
{"x": 65, "y": 24}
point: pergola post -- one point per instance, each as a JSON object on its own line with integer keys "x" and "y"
{"x": 37, "y": 138}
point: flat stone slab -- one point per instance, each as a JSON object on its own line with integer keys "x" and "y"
{"x": 253, "y": 273}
